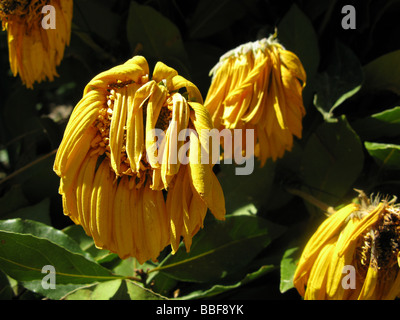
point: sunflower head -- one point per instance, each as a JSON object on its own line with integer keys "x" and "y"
{"x": 120, "y": 165}
{"x": 258, "y": 86}
{"x": 34, "y": 52}
{"x": 363, "y": 238}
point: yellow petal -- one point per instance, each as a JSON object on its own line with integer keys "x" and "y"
{"x": 163, "y": 72}
{"x": 292, "y": 63}
{"x": 132, "y": 70}
{"x": 83, "y": 116}
{"x": 368, "y": 291}
{"x": 175, "y": 210}
{"x": 361, "y": 227}
{"x": 136, "y": 97}
{"x": 84, "y": 191}
{"x": 201, "y": 174}
{"x": 334, "y": 287}
{"x": 102, "y": 209}
{"x": 316, "y": 285}
{"x": 118, "y": 121}
{"x": 154, "y": 106}
{"x": 217, "y": 203}
{"x": 259, "y": 96}
{"x": 155, "y": 229}
{"x": 327, "y": 231}
{"x": 180, "y": 119}
{"x": 71, "y": 160}
{"x": 194, "y": 94}
{"x": 123, "y": 228}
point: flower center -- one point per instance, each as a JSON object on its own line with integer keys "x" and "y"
{"x": 103, "y": 142}
{"x": 21, "y": 8}
{"x": 381, "y": 244}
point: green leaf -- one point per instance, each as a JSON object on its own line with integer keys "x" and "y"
{"x": 58, "y": 293}
{"x": 221, "y": 248}
{"x": 221, "y": 288}
{"x": 297, "y": 34}
{"x": 39, "y": 212}
{"x": 378, "y": 125}
{"x": 137, "y": 292}
{"x": 86, "y": 243}
{"x": 212, "y": 16}
{"x": 332, "y": 161}
{"x": 40, "y": 230}
{"x": 108, "y": 290}
{"x": 26, "y": 247}
{"x": 19, "y": 111}
{"x": 101, "y": 21}
{"x": 383, "y": 73}
{"x": 242, "y": 190}
{"x": 156, "y": 37}
{"x": 385, "y": 155}
{"x": 6, "y": 290}
{"x": 342, "y": 79}
{"x": 288, "y": 268}
{"x": 13, "y": 200}
{"x": 114, "y": 290}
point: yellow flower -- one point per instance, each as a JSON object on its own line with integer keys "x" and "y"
{"x": 34, "y": 52}
{"x": 354, "y": 255}
{"x": 259, "y": 86}
{"x": 123, "y": 182}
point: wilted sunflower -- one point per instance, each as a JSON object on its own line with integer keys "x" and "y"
{"x": 258, "y": 86}
{"x": 115, "y": 168}
{"x": 34, "y": 52}
{"x": 353, "y": 255}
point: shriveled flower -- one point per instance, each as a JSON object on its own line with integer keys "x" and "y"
{"x": 120, "y": 179}
{"x": 34, "y": 52}
{"x": 258, "y": 86}
{"x": 354, "y": 254}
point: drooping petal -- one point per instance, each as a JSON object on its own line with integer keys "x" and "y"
{"x": 163, "y": 72}
{"x": 123, "y": 227}
{"x": 132, "y": 70}
{"x": 194, "y": 94}
{"x": 180, "y": 118}
{"x": 326, "y": 231}
{"x": 102, "y": 209}
{"x": 175, "y": 210}
{"x": 155, "y": 225}
{"x": 154, "y": 106}
{"x": 84, "y": 191}
{"x": 363, "y": 226}
{"x": 118, "y": 121}
{"x": 137, "y": 96}
{"x": 76, "y": 155}
{"x": 368, "y": 291}
{"x": 316, "y": 287}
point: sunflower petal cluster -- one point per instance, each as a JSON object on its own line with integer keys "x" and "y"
{"x": 35, "y": 52}
{"x": 354, "y": 254}
{"x": 123, "y": 182}
{"x": 258, "y": 86}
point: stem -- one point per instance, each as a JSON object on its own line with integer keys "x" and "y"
{"x": 20, "y": 170}
{"x": 329, "y": 210}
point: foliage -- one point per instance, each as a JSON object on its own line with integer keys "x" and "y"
{"x": 351, "y": 139}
